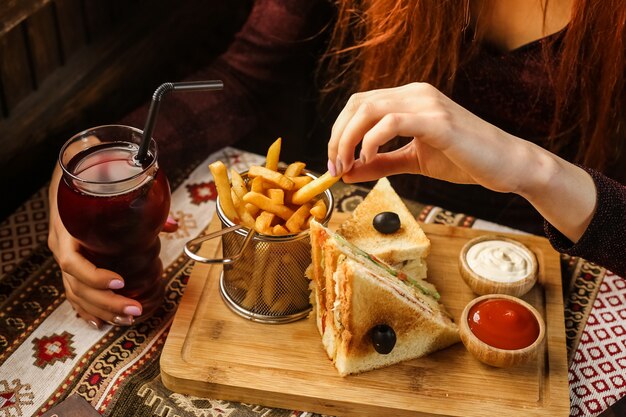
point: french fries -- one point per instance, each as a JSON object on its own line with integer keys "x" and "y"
{"x": 318, "y": 211}
{"x": 263, "y": 222}
{"x": 273, "y": 155}
{"x": 239, "y": 186}
{"x": 275, "y": 202}
{"x": 299, "y": 182}
{"x": 294, "y": 169}
{"x": 265, "y": 203}
{"x": 246, "y": 218}
{"x": 315, "y": 187}
{"x": 272, "y": 201}
{"x": 220, "y": 177}
{"x": 297, "y": 219}
{"x": 276, "y": 195}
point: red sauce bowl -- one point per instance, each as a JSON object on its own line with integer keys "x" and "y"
{"x": 501, "y": 330}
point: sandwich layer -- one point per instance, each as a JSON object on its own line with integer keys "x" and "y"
{"x": 405, "y": 249}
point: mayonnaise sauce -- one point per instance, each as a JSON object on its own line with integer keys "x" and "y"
{"x": 500, "y": 261}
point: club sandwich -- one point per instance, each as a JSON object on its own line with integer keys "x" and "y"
{"x": 369, "y": 314}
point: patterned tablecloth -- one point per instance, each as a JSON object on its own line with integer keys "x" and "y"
{"x": 48, "y": 354}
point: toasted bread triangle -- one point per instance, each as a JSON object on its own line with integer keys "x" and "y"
{"x": 405, "y": 249}
{"x": 352, "y": 294}
{"x": 366, "y": 303}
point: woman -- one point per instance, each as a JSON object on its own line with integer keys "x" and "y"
{"x": 536, "y": 70}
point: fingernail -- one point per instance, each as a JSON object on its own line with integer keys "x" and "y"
{"x": 362, "y": 158}
{"x": 116, "y": 284}
{"x": 93, "y": 324}
{"x": 132, "y": 311}
{"x": 331, "y": 168}
{"x": 339, "y": 167}
{"x": 171, "y": 225}
{"x": 123, "y": 321}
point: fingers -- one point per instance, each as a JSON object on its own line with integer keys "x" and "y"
{"x": 74, "y": 264}
{"x": 356, "y": 102}
{"x": 88, "y": 288}
{"x": 399, "y": 161}
{"x": 93, "y": 321}
{"x": 373, "y": 165}
{"x": 100, "y": 305}
{"x": 366, "y": 110}
{"x": 390, "y": 126}
{"x": 342, "y": 120}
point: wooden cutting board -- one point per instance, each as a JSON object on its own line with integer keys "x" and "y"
{"x": 212, "y": 352}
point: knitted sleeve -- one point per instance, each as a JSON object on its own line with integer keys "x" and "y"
{"x": 604, "y": 241}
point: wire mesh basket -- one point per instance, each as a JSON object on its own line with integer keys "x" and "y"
{"x": 264, "y": 276}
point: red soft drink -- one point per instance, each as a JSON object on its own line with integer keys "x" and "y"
{"x": 116, "y": 207}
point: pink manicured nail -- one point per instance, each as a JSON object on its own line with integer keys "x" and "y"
{"x": 132, "y": 311}
{"x": 123, "y": 321}
{"x": 331, "y": 168}
{"x": 362, "y": 158}
{"x": 116, "y": 284}
{"x": 171, "y": 225}
{"x": 93, "y": 324}
{"x": 339, "y": 167}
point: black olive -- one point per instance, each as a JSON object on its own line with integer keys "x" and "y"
{"x": 383, "y": 338}
{"x": 386, "y": 222}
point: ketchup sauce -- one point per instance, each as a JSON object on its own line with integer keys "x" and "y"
{"x": 503, "y": 324}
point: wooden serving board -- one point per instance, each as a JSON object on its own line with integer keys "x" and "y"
{"x": 212, "y": 352}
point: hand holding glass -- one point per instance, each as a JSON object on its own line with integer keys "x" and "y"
{"x": 116, "y": 207}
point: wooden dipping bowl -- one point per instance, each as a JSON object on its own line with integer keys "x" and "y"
{"x": 493, "y": 356}
{"x": 482, "y": 285}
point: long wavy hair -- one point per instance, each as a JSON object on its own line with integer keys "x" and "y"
{"x": 378, "y": 44}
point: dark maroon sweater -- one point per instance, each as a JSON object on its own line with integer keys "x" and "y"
{"x": 604, "y": 241}
{"x": 269, "y": 91}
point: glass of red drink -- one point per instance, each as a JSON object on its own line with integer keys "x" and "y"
{"x": 115, "y": 207}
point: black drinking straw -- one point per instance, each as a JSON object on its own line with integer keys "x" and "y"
{"x": 159, "y": 93}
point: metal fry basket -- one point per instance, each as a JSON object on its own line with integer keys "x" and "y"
{"x": 263, "y": 278}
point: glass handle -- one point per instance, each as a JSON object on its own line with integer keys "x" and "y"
{"x": 195, "y": 243}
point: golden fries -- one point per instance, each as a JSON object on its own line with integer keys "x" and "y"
{"x": 272, "y": 201}
{"x": 264, "y": 203}
{"x": 239, "y": 186}
{"x": 299, "y": 182}
{"x": 273, "y": 177}
{"x": 279, "y": 230}
{"x": 257, "y": 185}
{"x": 276, "y": 195}
{"x": 220, "y": 177}
{"x": 246, "y": 218}
{"x": 297, "y": 219}
{"x": 315, "y": 187}
{"x": 318, "y": 211}
{"x": 273, "y": 155}
{"x": 263, "y": 222}
{"x": 294, "y": 169}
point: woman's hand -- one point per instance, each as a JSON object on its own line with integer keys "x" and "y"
{"x": 448, "y": 143}
{"x": 452, "y": 144}
{"x": 89, "y": 289}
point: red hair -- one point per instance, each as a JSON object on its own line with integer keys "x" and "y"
{"x": 383, "y": 43}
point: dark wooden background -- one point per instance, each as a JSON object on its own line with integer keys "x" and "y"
{"x": 66, "y": 65}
